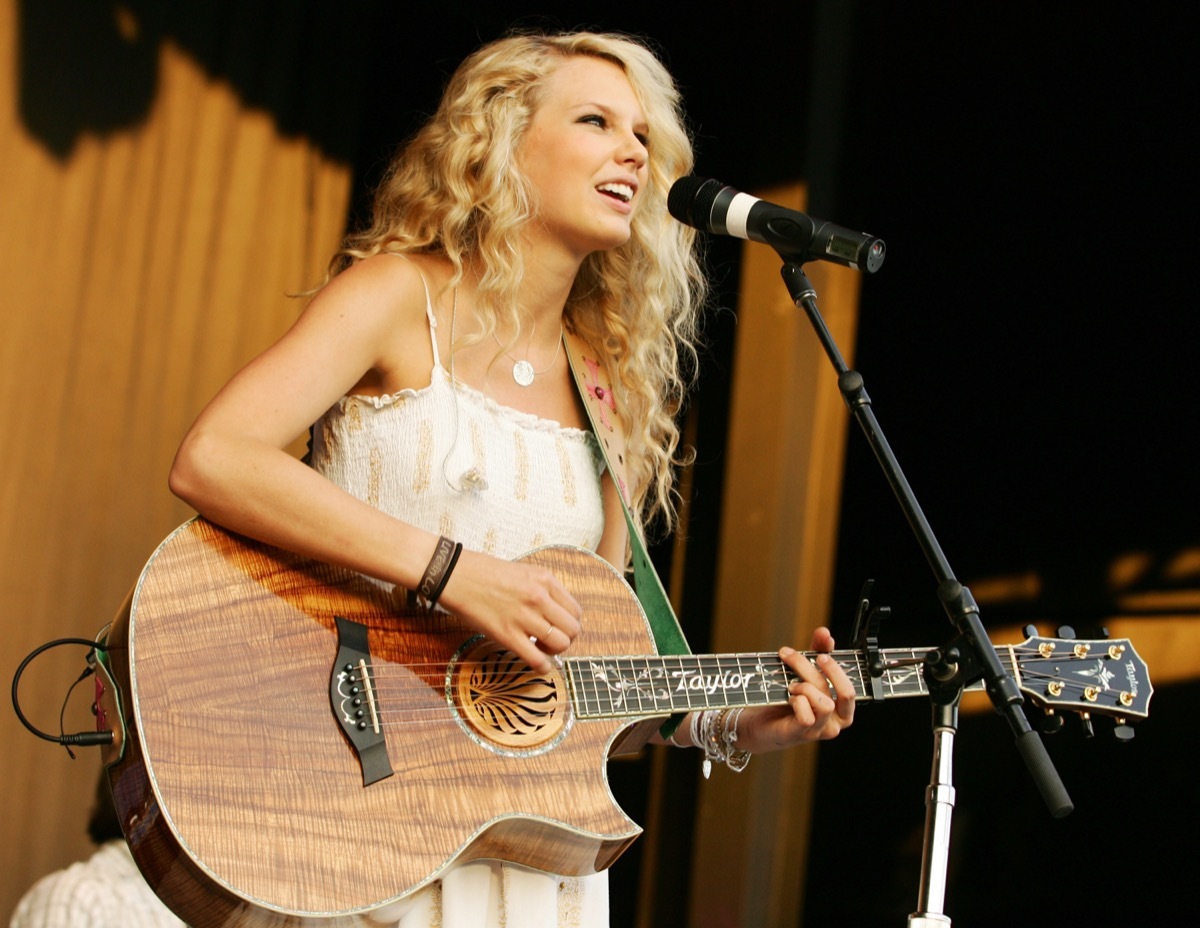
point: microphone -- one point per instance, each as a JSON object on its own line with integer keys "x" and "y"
{"x": 711, "y": 206}
{"x": 86, "y": 739}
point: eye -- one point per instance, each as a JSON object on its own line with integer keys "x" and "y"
{"x": 643, "y": 138}
{"x": 594, "y": 119}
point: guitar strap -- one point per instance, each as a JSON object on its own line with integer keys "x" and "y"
{"x": 595, "y": 386}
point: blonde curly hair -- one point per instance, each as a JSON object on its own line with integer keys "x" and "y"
{"x": 456, "y": 190}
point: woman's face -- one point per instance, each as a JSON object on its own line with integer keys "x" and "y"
{"x": 585, "y": 155}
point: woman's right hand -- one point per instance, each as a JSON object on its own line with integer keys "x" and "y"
{"x": 523, "y": 607}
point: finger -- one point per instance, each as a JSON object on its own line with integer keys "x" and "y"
{"x": 802, "y": 692}
{"x": 551, "y": 641}
{"x": 529, "y": 650}
{"x": 822, "y": 640}
{"x": 843, "y": 688}
{"x": 805, "y": 669}
{"x": 802, "y": 712}
{"x": 563, "y": 624}
{"x": 809, "y": 707}
{"x": 821, "y": 704}
{"x": 547, "y": 600}
{"x": 552, "y": 628}
{"x": 571, "y": 612}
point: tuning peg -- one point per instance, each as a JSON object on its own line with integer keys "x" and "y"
{"x": 1030, "y": 631}
{"x": 1103, "y": 633}
{"x": 1050, "y": 723}
{"x": 1089, "y": 730}
{"x": 1122, "y": 732}
{"x": 1066, "y": 631}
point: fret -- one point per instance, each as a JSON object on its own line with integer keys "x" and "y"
{"x": 587, "y": 695}
{"x": 748, "y": 688}
{"x": 903, "y": 681}
{"x": 678, "y": 674}
{"x": 579, "y": 696}
{"x": 701, "y": 690}
{"x": 852, "y": 664}
{"x": 633, "y": 692}
{"x": 659, "y": 686}
{"x": 774, "y": 677}
{"x": 722, "y": 691}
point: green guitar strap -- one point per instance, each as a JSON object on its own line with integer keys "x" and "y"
{"x": 595, "y": 386}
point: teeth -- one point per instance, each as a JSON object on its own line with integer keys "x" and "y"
{"x": 624, "y": 191}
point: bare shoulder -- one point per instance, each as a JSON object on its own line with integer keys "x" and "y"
{"x": 379, "y": 303}
{"x": 386, "y": 285}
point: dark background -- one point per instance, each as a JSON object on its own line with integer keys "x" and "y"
{"x": 1028, "y": 347}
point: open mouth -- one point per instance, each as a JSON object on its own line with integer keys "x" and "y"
{"x": 622, "y": 192}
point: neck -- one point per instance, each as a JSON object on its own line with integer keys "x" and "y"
{"x": 654, "y": 685}
{"x": 549, "y": 276}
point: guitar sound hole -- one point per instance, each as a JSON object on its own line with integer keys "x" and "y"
{"x": 505, "y": 701}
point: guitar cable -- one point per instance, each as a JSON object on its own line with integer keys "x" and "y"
{"x": 79, "y": 739}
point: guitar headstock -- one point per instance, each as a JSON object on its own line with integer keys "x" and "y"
{"x": 1105, "y": 677}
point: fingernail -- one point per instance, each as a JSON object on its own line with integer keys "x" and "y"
{"x": 786, "y": 652}
{"x": 822, "y": 659}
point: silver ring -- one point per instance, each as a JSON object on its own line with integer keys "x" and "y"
{"x": 548, "y": 631}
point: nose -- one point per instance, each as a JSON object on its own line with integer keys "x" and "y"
{"x": 633, "y": 150}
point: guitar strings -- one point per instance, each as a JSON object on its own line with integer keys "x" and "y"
{"x": 852, "y": 662}
{"x": 593, "y": 698}
{"x": 434, "y": 703}
{"x": 393, "y": 680}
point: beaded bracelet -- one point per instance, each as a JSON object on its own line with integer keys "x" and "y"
{"x": 715, "y": 732}
{"x": 433, "y": 581}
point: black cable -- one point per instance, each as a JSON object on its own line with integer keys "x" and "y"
{"x": 80, "y": 739}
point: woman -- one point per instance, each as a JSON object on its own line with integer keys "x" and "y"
{"x": 532, "y": 203}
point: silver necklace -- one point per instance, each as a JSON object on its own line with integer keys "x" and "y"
{"x": 522, "y": 371}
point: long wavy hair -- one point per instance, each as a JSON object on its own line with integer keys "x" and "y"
{"x": 456, "y": 190}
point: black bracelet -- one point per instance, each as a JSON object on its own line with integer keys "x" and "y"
{"x": 433, "y": 581}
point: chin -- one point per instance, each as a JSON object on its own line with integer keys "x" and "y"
{"x": 615, "y": 240}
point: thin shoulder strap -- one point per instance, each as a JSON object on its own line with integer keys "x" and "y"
{"x": 595, "y": 386}
{"x": 428, "y": 309}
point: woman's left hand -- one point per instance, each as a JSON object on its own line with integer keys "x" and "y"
{"x": 820, "y": 703}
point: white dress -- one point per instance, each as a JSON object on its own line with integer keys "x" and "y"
{"x": 453, "y": 461}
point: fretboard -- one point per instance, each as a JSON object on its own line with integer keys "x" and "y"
{"x": 604, "y": 687}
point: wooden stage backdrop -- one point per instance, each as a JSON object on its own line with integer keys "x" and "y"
{"x": 143, "y": 263}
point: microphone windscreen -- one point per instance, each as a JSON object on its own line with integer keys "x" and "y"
{"x": 690, "y": 203}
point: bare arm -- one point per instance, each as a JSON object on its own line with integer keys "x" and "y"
{"x": 366, "y": 327}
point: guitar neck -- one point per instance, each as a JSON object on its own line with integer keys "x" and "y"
{"x": 605, "y": 687}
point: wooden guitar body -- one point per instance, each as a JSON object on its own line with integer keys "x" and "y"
{"x": 243, "y": 800}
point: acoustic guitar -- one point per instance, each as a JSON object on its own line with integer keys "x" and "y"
{"x": 294, "y": 748}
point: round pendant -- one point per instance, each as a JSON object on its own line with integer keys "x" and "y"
{"x": 523, "y": 373}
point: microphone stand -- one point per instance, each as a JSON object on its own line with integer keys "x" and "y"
{"x": 967, "y": 657}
